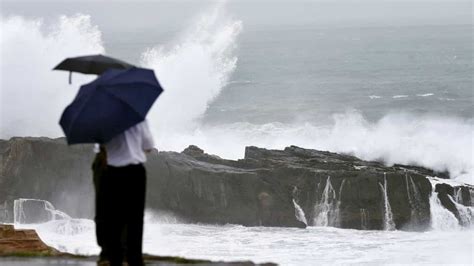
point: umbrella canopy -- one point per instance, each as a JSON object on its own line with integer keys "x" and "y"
{"x": 109, "y": 105}
{"x": 91, "y": 64}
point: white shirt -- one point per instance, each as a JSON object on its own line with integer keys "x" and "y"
{"x": 129, "y": 147}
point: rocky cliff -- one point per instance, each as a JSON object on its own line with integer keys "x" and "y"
{"x": 291, "y": 187}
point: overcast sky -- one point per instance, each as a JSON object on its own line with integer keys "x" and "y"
{"x": 255, "y": 14}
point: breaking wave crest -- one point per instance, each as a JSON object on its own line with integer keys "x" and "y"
{"x": 439, "y": 143}
{"x": 193, "y": 72}
{"x": 32, "y": 96}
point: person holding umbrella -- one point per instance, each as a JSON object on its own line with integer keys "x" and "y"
{"x": 111, "y": 111}
{"x": 120, "y": 195}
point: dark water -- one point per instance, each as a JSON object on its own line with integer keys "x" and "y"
{"x": 309, "y": 72}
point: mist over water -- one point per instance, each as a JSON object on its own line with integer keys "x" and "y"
{"x": 223, "y": 93}
{"x": 33, "y": 96}
{"x": 196, "y": 69}
{"x": 192, "y": 72}
{"x": 313, "y": 245}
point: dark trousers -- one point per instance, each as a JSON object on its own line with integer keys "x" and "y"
{"x": 120, "y": 205}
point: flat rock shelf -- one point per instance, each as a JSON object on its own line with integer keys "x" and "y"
{"x": 294, "y": 187}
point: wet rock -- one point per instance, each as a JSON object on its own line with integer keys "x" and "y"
{"x": 22, "y": 242}
{"x": 259, "y": 190}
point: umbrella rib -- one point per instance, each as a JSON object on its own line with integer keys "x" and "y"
{"x": 121, "y": 100}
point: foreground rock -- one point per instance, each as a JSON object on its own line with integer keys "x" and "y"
{"x": 291, "y": 187}
{"x": 26, "y": 247}
{"x": 22, "y": 242}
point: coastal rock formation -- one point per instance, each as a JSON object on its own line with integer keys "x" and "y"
{"x": 291, "y": 187}
{"x": 22, "y": 242}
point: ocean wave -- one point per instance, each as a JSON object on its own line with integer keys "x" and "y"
{"x": 399, "y": 96}
{"x": 447, "y": 99}
{"x": 438, "y": 143}
{"x": 374, "y": 97}
{"x": 425, "y": 95}
{"x": 193, "y": 72}
{"x": 30, "y": 49}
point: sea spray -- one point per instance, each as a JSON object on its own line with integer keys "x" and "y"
{"x": 441, "y": 218}
{"x": 325, "y": 211}
{"x": 458, "y": 195}
{"x": 387, "y": 211}
{"x": 30, "y": 49}
{"x": 466, "y": 213}
{"x": 18, "y": 213}
{"x": 337, "y": 220}
{"x": 192, "y": 74}
{"x": 364, "y": 219}
{"x": 438, "y": 143}
{"x": 5, "y": 215}
{"x": 299, "y": 213}
{"x": 22, "y": 216}
{"x": 414, "y": 199}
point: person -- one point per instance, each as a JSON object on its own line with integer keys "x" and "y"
{"x": 120, "y": 186}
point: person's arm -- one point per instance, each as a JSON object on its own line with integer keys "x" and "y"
{"x": 147, "y": 144}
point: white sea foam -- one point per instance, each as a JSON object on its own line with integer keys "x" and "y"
{"x": 299, "y": 213}
{"x": 399, "y": 96}
{"x": 314, "y": 245}
{"x": 193, "y": 72}
{"x": 374, "y": 97}
{"x": 441, "y": 218}
{"x": 262, "y": 244}
{"x": 447, "y": 99}
{"x": 425, "y": 95}
{"x": 439, "y": 143}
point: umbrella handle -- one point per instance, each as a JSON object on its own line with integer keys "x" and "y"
{"x": 70, "y": 76}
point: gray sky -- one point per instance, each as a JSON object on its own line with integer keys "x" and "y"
{"x": 165, "y": 16}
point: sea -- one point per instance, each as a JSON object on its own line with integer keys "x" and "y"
{"x": 387, "y": 80}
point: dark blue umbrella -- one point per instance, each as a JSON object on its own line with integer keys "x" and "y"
{"x": 109, "y": 105}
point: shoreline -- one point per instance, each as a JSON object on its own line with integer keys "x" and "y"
{"x": 25, "y": 247}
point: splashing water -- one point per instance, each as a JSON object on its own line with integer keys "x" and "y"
{"x": 337, "y": 220}
{"x": 192, "y": 74}
{"x": 21, "y": 217}
{"x": 389, "y": 225}
{"x": 314, "y": 245}
{"x": 299, "y": 213}
{"x": 326, "y": 210}
{"x": 438, "y": 143}
{"x": 441, "y": 218}
{"x": 466, "y": 213}
{"x": 364, "y": 219}
{"x": 167, "y": 235}
{"x": 29, "y": 51}
{"x": 414, "y": 199}
{"x": 458, "y": 195}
